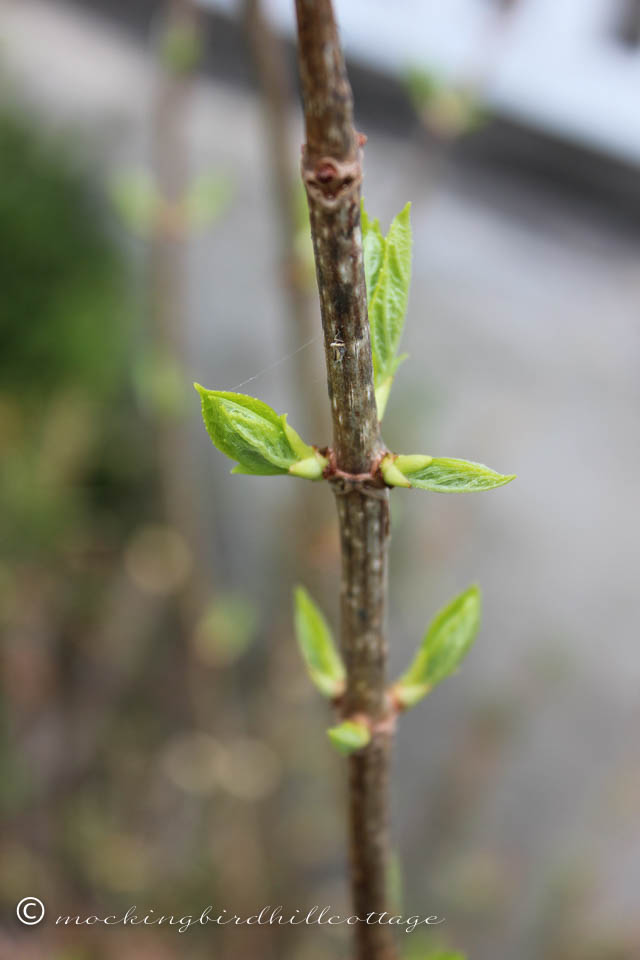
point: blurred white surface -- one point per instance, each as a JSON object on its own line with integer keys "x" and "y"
{"x": 555, "y": 64}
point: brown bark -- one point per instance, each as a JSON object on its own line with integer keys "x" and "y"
{"x": 332, "y": 174}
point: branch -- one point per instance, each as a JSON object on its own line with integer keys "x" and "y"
{"x": 332, "y": 174}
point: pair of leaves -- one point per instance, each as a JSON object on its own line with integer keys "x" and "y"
{"x": 440, "y": 474}
{"x": 264, "y": 444}
{"x": 251, "y": 432}
{"x": 387, "y": 267}
{"x": 445, "y": 644}
{"x": 138, "y": 202}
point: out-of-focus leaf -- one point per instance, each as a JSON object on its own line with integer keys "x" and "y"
{"x": 181, "y": 47}
{"x": 205, "y": 199}
{"x": 349, "y": 736}
{"x": 136, "y": 200}
{"x": 317, "y": 646}
{"x": 448, "y": 110}
{"x": 387, "y": 262}
{"x": 444, "y": 955}
{"x": 445, "y": 644}
{"x": 395, "y": 885}
{"x": 160, "y": 383}
{"x": 422, "y": 85}
{"x": 225, "y": 631}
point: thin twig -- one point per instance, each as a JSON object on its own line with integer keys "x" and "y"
{"x": 332, "y": 174}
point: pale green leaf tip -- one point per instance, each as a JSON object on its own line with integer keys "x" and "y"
{"x": 407, "y": 695}
{"x": 410, "y": 463}
{"x": 502, "y": 479}
{"x": 392, "y": 476}
{"x": 349, "y": 736}
{"x": 311, "y": 468}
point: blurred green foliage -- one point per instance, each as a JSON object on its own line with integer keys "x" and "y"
{"x": 68, "y": 442}
{"x": 447, "y": 109}
{"x": 61, "y": 311}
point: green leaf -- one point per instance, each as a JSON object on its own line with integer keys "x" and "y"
{"x": 387, "y": 264}
{"x": 444, "y": 955}
{"x": 160, "y": 382}
{"x": 205, "y": 199}
{"x": 297, "y": 444}
{"x": 394, "y": 883}
{"x": 440, "y": 474}
{"x": 445, "y": 644}
{"x": 349, "y": 736}
{"x": 422, "y": 85}
{"x": 315, "y": 640}
{"x": 136, "y": 200}
{"x": 251, "y": 432}
{"x": 372, "y": 248}
{"x": 447, "y": 109}
{"x": 394, "y": 469}
{"x": 181, "y": 47}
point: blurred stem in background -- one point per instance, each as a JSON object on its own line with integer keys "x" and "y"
{"x": 74, "y": 479}
{"x": 211, "y": 700}
{"x": 269, "y": 56}
{"x": 178, "y": 55}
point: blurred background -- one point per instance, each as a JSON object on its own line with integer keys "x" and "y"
{"x": 160, "y": 744}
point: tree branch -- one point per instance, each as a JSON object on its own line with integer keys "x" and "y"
{"x": 332, "y": 174}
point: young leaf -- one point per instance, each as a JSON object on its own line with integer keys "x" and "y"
{"x": 205, "y": 199}
{"x": 181, "y": 48}
{"x": 440, "y": 474}
{"x": 249, "y": 431}
{"x": 443, "y": 955}
{"x": 387, "y": 264}
{"x": 136, "y": 199}
{"x": 395, "y": 469}
{"x": 447, "y": 110}
{"x": 323, "y": 661}
{"x": 349, "y": 736}
{"x": 372, "y": 248}
{"x": 159, "y": 381}
{"x": 445, "y": 644}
